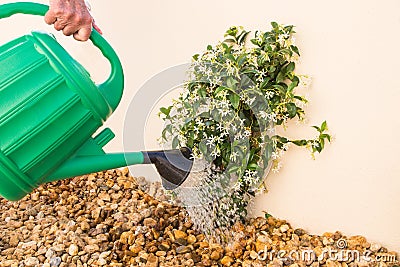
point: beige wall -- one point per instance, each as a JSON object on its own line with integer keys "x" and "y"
{"x": 350, "y": 48}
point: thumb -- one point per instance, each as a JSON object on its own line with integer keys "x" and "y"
{"x": 83, "y": 34}
{"x": 50, "y": 17}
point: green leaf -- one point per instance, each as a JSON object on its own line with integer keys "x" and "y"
{"x": 175, "y": 142}
{"x": 202, "y": 92}
{"x": 280, "y": 88}
{"x": 252, "y": 166}
{"x": 327, "y": 136}
{"x": 295, "y": 49}
{"x": 196, "y": 57}
{"x": 274, "y": 25}
{"x": 229, "y": 40}
{"x": 235, "y": 99}
{"x": 233, "y": 169}
{"x": 166, "y": 111}
{"x": 317, "y": 128}
{"x": 231, "y": 82}
{"x": 299, "y": 142}
{"x": 242, "y": 37}
{"x": 267, "y": 215}
{"x": 290, "y": 67}
{"x": 291, "y": 109}
{"x": 323, "y": 126}
{"x": 203, "y": 148}
{"x": 281, "y": 76}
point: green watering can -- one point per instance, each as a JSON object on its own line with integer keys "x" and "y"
{"x": 50, "y": 108}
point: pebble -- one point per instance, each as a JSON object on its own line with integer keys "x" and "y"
{"x": 31, "y": 261}
{"x": 54, "y": 262}
{"x": 375, "y": 247}
{"x": 226, "y": 261}
{"x": 152, "y": 261}
{"x": 182, "y": 249}
{"x": 73, "y": 250}
{"x": 284, "y": 228}
{"x": 106, "y": 219}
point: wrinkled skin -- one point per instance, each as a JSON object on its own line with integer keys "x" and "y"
{"x": 72, "y": 17}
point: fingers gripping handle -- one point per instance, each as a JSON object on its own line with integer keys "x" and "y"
{"x": 113, "y": 87}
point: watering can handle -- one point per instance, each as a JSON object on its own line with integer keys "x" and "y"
{"x": 116, "y": 79}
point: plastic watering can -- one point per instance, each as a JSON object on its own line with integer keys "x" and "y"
{"x": 50, "y": 108}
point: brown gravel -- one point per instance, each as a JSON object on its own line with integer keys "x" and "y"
{"x": 106, "y": 219}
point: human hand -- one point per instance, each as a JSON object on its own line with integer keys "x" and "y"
{"x": 72, "y": 17}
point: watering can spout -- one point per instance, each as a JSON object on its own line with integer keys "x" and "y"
{"x": 174, "y": 165}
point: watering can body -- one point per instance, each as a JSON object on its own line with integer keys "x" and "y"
{"x": 50, "y": 108}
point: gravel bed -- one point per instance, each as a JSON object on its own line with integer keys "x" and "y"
{"x": 111, "y": 219}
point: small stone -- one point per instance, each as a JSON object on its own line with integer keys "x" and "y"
{"x": 164, "y": 246}
{"x": 215, "y": 255}
{"x": 152, "y": 261}
{"x": 226, "y": 261}
{"x": 31, "y": 261}
{"x": 54, "y": 262}
{"x": 182, "y": 249}
{"x": 161, "y": 253}
{"x": 180, "y": 234}
{"x": 284, "y": 228}
{"x": 59, "y": 248}
{"x": 104, "y": 196}
{"x": 143, "y": 256}
{"x": 14, "y": 240}
{"x": 85, "y": 226}
{"x": 73, "y": 250}
{"x": 49, "y": 253}
{"x": 375, "y": 247}
{"x": 203, "y": 244}
{"x": 299, "y": 232}
{"x": 180, "y": 237}
{"x": 254, "y": 255}
{"x": 150, "y": 222}
{"x": 191, "y": 239}
{"x": 91, "y": 248}
{"x": 102, "y": 261}
{"x": 261, "y": 246}
{"x": 104, "y": 254}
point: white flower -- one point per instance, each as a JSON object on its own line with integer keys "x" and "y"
{"x": 285, "y": 146}
{"x": 220, "y": 127}
{"x": 236, "y": 186}
{"x": 272, "y": 116}
{"x": 248, "y": 179}
{"x": 238, "y": 136}
{"x": 275, "y": 155}
{"x": 249, "y": 101}
{"x": 210, "y": 142}
{"x": 269, "y": 94}
{"x": 247, "y": 133}
{"x": 215, "y": 153}
{"x": 277, "y": 167}
{"x": 249, "y": 173}
{"x": 233, "y": 155}
{"x": 217, "y": 139}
